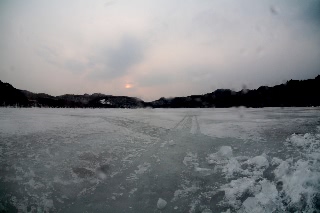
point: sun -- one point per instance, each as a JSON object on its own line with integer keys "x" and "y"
{"x": 128, "y": 86}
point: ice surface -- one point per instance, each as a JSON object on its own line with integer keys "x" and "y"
{"x": 124, "y": 160}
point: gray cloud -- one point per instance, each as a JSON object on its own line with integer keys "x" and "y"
{"x": 117, "y": 60}
{"x": 127, "y": 53}
{"x": 155, "y": 79}
{"x": 158, "y": 47}
{"x": 75, "y": 66}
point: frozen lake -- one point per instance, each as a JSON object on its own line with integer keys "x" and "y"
{"x": 160, "y": 160}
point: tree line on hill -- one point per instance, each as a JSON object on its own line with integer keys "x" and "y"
{"x": 294, "y": 93}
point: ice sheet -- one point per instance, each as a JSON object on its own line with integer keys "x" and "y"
{"x": 198, "y": 160}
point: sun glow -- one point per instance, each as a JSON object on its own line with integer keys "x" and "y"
{"x": 128, "y": 86}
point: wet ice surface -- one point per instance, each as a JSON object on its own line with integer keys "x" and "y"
{"x": 160, "y": 160}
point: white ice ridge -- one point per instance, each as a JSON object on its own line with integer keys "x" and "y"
{"x": 296, "y": 183}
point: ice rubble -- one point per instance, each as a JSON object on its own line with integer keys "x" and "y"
{"x": 295, "y": 186}
{"x": 230, "y": 165}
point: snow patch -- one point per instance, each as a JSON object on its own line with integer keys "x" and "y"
{"x": 104, "y": 101}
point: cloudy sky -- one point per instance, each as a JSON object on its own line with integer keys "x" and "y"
{"x": 150, "y": 49}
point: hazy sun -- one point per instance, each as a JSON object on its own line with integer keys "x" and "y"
{"x": 128, "y": 86}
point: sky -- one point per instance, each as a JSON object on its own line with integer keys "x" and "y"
{"x": 151, "y": 49}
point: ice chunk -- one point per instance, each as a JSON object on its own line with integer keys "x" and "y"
{"x": 181, "y": 193}
{"x": 300, "y": 180}
{"x": 276, "y": 161}
{"x": 233, "y": 166}
{"x": 264, "y": 195}
{"x": 251, "y": 205}
{"x": 143, "y": 168}
{"x": 236, "y": 189}
{"x": 172, "y": 143}
{"x": 132, "y": 191}
{"x": 191, "y": 159}
{"x": 301, "y": 140}
{"x": 203, "y": 171}
{"x": 282, "y": 169}
{"x": 258, "y": 162}
{"x": 206, "y": 211}
{"x": 161, "y": 204}
{"x": 163, "y": 144}
{"x": 225, "y": 152}
{"x": 267, "y": 196}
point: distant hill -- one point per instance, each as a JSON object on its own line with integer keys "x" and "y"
{"x": 293, "y": 93}
{"x": 95, "y": 100}
{"x": 10, "y": 96}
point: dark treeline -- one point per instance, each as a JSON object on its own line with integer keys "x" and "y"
{"x": 293, "y": 93}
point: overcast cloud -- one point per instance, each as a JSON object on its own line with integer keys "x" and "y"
{"x": 150, "y": 49}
